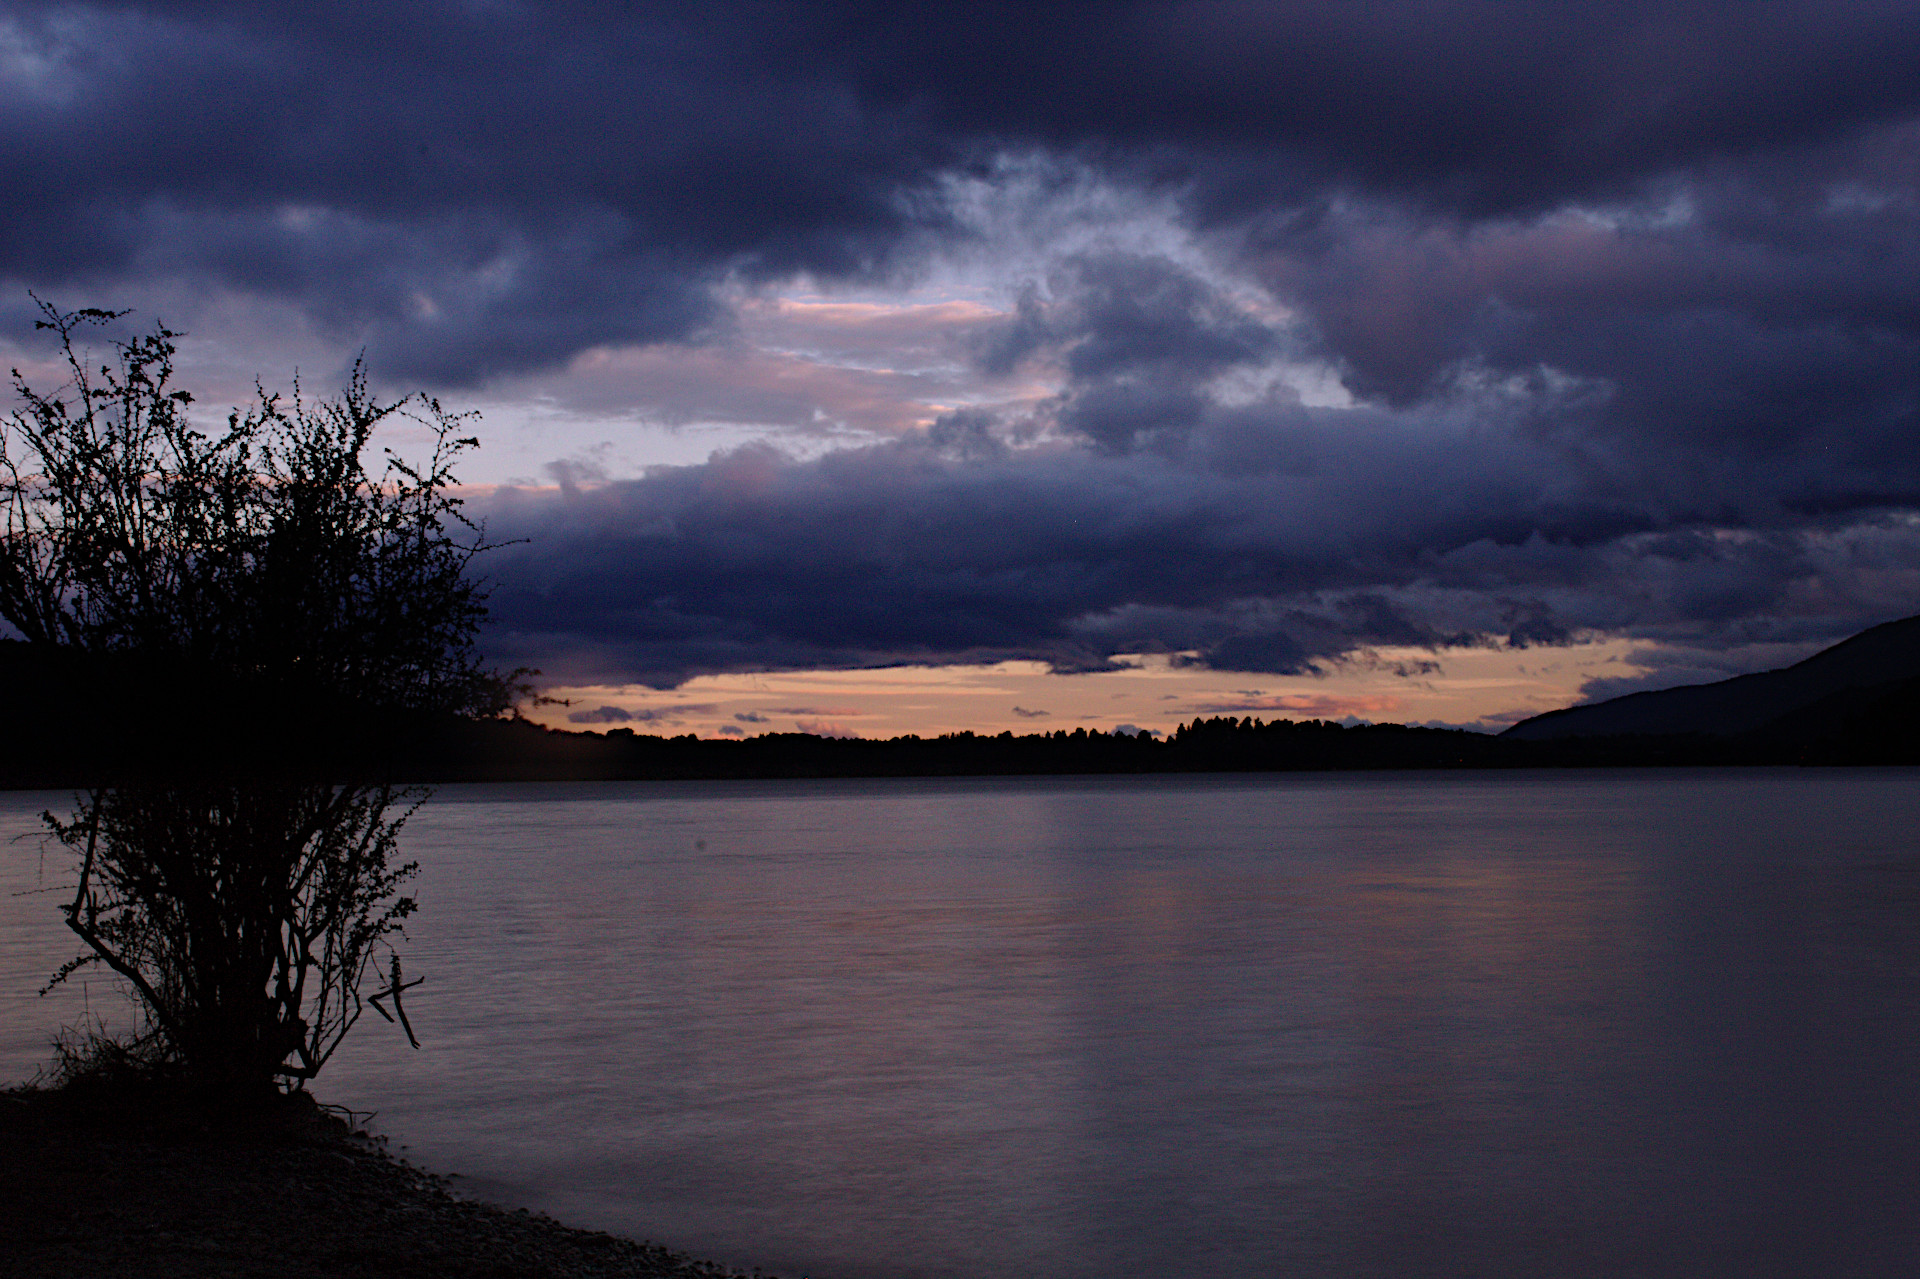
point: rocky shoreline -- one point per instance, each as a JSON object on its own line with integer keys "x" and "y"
{"x": 89, "y": 1190}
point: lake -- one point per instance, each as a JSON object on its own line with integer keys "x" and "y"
{"x": 1488, "y": 1024}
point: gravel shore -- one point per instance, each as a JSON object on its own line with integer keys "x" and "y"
{"x": 86, "y": 1191}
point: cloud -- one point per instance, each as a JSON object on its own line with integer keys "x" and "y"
{"x": 1257, "y": 533}
{"x": 481, "y": 189}
{"x": 641, "y": 715}
{"x": 325, "y": 159}
{"x": 1024, "y": 713}
{"x": 733, "y": 382}
{"x": 1477, "y": 106}
{"x": 826, "y": 728}
{"x": 600, "y": 715}
{"x": 1259, "y": 336}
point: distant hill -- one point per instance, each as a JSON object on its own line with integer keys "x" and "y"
{"x": 1851, "y": 688}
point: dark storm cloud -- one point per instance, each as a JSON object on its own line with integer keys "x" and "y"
{"x": 1424, "y": 529}
{"x": 482, "y": 188}
{"x": 1475, "y": 106}
{"x": 1137, "y": 336}
{"x": 1629, "y": 294}
{"x": 1511, "y": 507}
{"x": 478, "y": 188}
{"x": 1705, "y": 289}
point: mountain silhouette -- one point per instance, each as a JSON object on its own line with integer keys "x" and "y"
{"x": 1872, "y": 672}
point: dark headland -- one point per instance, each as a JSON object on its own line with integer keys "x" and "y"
{"x": 76, "y": 723}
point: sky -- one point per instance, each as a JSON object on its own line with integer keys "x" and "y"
{"x": 879, "y": 369}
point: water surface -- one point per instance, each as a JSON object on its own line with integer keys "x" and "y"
{"x": 1491, "y": 1024}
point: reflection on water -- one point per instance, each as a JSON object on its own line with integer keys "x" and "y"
{"x": 1608, "y": 1024}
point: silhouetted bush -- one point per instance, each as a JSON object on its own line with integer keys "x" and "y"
{"x": 263, "y": 571}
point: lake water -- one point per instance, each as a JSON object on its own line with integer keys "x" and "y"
{"x": 1359, "y": 1025}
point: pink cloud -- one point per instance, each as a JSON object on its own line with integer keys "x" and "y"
{"x": 863, "y": 332}
{"x": 678, "y": 385}
{"x": 801, "y": 365}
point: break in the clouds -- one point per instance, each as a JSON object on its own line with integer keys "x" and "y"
{"x": 1259, "y": 335}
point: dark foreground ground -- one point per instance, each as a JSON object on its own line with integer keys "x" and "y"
{"x": 85, "y": 1192}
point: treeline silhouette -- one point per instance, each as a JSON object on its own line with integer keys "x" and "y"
{"x": 78, "y": 719}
